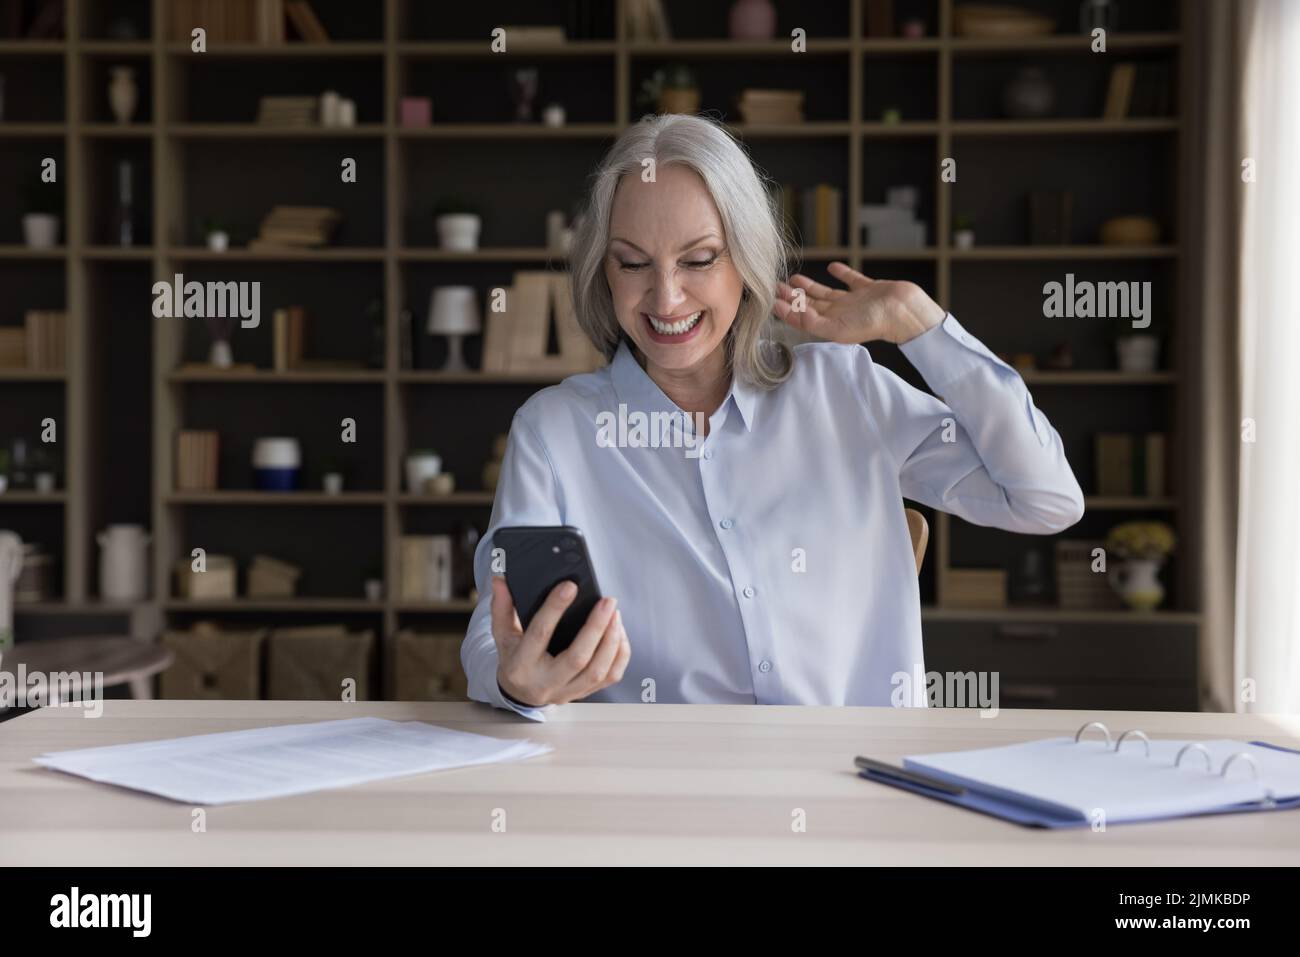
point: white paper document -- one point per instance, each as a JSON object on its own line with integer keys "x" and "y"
{"x": 288, "y": 759}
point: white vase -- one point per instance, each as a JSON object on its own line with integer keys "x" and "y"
{"x": 1138, "y": 353}
{"x": 41, "y": 230}
{"x": 220, "y": 355}
{"x": 218, "y": 241}
{"x": 419, "y": 469}
{"x": 963, "y": 239}
{"x": 459, "y": 231}
{"x": 333, "y": 483}
{"x": 122, "y": 563}
{"x": 1136, "y": 581}
{"x": 123, "y": 94}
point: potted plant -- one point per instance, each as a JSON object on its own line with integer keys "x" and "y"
{"x": 215, "y": 235}
{"x": 458, "y": 222}
{"x": 1143, "y": 546}
{"x": 672, "y": 89}
{"x": 963, "y": 232}
{"x": 43, "y": 205}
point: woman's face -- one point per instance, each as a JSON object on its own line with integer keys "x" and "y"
{"x": 674, "y": 287}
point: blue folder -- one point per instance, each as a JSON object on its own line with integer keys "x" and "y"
{"x": 1032, "y": 814}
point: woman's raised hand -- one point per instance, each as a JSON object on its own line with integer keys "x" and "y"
{"x": 869, "y": 309}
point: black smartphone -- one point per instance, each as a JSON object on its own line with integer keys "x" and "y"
{"x": 539, "y": 557}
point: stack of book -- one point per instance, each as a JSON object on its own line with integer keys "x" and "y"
{"x": 1131, "y": 464}
{"x": 296, "y": 226}
{"x": 271, "y": 578}
{"x": 196, "y": 461}
{"x": 289, "y": 328}
{"x": 425, "y": 568}
{"x": 771, "y": 106}
{"x": 46, "y": 339}
{"x": 533, "y": 35}
{"x": 288, "y": 110}
{"x": 1077, "y": 585}
{"x": 229, "y": 21}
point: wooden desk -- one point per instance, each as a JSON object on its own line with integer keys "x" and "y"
{"x": 626, "y": 784}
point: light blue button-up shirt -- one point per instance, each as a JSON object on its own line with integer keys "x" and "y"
{"x": 769, "y": 562}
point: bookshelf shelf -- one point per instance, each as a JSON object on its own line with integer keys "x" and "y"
{"x": 14, "y": 251}
{"x": 286, "y": 255}
{"x": 22, "y": 497}
{"x": 278, "y": 499}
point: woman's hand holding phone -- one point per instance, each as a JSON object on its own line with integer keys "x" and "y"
{"x": 531, "y": 675}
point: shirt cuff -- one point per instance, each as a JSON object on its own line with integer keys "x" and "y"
{"x": 528, "y": 711}
{"x": 946, "y": 351}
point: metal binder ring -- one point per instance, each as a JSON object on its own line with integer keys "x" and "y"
{"x": 1136, "y": 733}
{"x": 1239, "y": 754}
{"x": 1093, "y": 724}
{"x": 1194, "y": 746}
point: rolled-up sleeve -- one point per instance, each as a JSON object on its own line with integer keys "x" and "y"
{"x": 981, "y": 450}
{"x": 527, "y": 494}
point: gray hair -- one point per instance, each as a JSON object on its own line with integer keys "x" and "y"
{"x": 756, "y": 238}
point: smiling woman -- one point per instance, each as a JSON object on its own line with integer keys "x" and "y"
{"x": 768, "y": 559}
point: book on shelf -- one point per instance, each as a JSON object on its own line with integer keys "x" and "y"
{"x": 1119, "y": 92}
{"x": 46, "y": 339}
{"x": 424, "y": 569}
{"x": 533, "y": 35}
{"x": 880, "y": 18}
{"x": 13, "y": 347}
{"x": 821, "y": 220}
{"x": 289, "y": 336}
{"x": 1131, "y": 465}
{"x": 196, "y": 460}
{"x": 646, "y": 20}
{"x": 228, "y": 21}
{"x": 516, "y": 340}
{"x": 305, "y": 21}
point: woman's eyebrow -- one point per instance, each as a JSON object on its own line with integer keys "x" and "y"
{"x": 691, "y": 245}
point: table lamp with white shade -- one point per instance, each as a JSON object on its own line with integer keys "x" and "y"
{"x": 453, "y": 312}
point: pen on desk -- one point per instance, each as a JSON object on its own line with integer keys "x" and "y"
{"x": 870, "y": 764}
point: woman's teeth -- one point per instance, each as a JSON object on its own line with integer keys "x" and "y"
{"x": 675, "y": 328}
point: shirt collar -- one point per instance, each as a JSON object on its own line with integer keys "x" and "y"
{"x": 638, "y": 391}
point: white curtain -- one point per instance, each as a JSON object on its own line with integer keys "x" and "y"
{"x": 1267, "y": 645}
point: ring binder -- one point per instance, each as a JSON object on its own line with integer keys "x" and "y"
{"x": 1140, "y": 734}
{"x": 1195, "y": 746}
{"x": 1093, "y": 724}
{"x": 1223, "y": 772}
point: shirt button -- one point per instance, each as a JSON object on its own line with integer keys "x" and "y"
{"x": 765, "y": 666}
{"x": 708, "y": 453}
{"x": 749, "y": 591}
{"x": 725, "y": 523}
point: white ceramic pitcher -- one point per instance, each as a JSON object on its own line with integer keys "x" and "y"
{"x": 123, "y": 568}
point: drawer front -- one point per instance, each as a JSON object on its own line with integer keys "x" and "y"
{"x": 1066, "y": 653}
